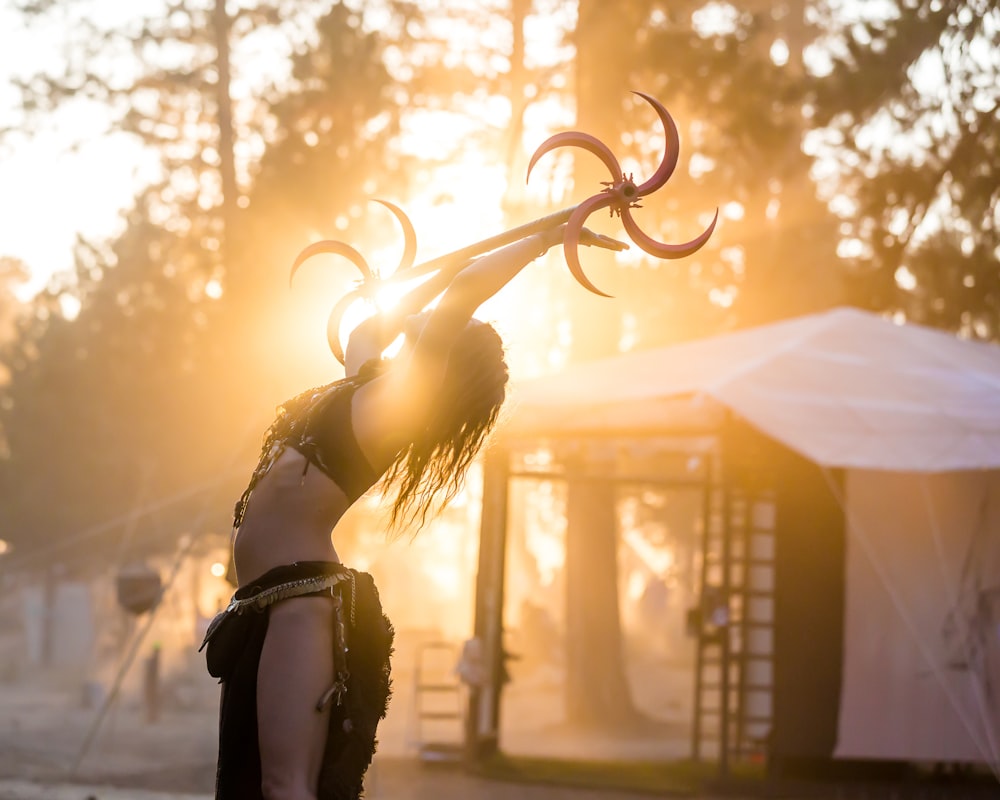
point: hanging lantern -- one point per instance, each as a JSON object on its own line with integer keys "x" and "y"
{"x": 139, "y": 588}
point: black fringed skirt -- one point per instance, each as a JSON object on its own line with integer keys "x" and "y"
{"x": 234, "y": 642}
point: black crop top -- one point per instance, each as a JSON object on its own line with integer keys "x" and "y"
{"x": 317, "y": 423}
{"x": 328, "y": 442}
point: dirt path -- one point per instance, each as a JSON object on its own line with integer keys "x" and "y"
{"x": 42, "y": 756}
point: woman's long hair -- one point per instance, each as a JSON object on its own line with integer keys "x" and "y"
{"x": 428, "y": 473}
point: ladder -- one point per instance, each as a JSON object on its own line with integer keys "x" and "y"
{"x": 438, "y": 699}
{"x": 734, "y": 624}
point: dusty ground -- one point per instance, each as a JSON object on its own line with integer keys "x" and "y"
{"x": 42, "y": 757}
{"x": 49, "y": 750}
{"x": 49, "y": 734}
{"x": 52, "y": 748}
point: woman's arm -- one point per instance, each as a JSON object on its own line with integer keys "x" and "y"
{"x": 376, "y": 333}
{"x": 388, "y": 410}
{"x": 464, "y": 293}
{"x": 482, "y": 279}
{"x": 488, "y": 275}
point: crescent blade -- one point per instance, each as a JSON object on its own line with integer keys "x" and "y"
{"x": 577, "y": 139}
{"x": 335, "y": 318}
{"x": 671, "y": 150}
{"x": 409, "y": 236}
{"x": 331, "y": 247}
{"x": 661, "y": 249}
{"x": 571, "y": 239}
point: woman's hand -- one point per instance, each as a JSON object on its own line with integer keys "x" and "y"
{"x": 590, "y": 239}
{"x": 553, "y": 236}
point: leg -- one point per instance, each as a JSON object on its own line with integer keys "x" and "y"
{"x": 296, "y": 668}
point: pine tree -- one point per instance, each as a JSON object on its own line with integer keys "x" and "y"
{"x": 910, "y": 109}
{"x": 150, "y": 394}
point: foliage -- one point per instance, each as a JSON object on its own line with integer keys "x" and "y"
{"x": 740, "y": 109}
{"x": 12, "y": 273}
{"x": 333, "y": 126}
{"x": 739, "y": 106}
{"x": 156, "y": 75}
{"x": 109, "y": 411}
{"x": 911, "y": 104}
{"x": 150, "y": 401}
{"x": 317, "y": 135}
{"x": 902, "y": 132}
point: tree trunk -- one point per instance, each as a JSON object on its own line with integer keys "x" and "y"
{"x": 605, "y": 36}
{"x": 596, "y": 690}
{"x": 597, "y": 693}
{"x": 227, "y": 162}
{"x": 779, "y": 281}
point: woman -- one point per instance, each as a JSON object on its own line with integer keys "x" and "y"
{"x": 303, "y": 649}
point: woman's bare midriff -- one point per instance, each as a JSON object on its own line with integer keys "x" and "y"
{"x": 290, "y": 517}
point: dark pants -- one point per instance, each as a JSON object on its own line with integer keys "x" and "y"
{"x": 234, "y": 648}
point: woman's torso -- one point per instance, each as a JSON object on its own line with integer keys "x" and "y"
{"x": 310, "y": 473}
{"x": 289, "y": 517}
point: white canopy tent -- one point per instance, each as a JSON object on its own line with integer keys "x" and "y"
{"x": 913, "y": 417}
{"x": 844, "y": 388}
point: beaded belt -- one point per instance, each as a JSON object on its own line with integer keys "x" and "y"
{"x": 302, "y": 586}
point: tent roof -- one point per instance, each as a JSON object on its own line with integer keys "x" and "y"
{"x": 845, "y": 388}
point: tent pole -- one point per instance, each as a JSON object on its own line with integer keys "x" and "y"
{"x": 727, "y": 554}
{"x": 483, "y": 721}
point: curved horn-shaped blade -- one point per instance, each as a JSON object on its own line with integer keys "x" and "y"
{"x": 571, "y": 239}
{"x": 577, "y": 139}
{"x": 334, "y": 248}
{"x": 409, "y": 236}
{"x": 661, "y": 250}
{"x": 334, "y": 320}
{"x": 671, "y": 149}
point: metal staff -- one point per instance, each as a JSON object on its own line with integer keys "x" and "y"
{"x": 621, "y": 194}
